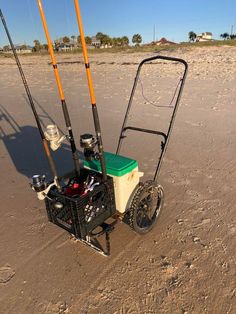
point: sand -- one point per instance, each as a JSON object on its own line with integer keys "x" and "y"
{"x": 186, "y": 264}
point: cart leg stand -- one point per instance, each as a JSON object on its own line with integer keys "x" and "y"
{"x": 92, "y": 240}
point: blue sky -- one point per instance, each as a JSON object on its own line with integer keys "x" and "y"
{"x": 173, "y": 19}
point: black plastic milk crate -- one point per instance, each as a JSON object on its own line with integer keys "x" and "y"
{"x": 82, "y": 214}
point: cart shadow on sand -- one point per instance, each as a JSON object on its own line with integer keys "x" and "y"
{"x": 22, "y": 145}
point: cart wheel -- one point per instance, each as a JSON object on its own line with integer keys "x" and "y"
{"x": 146, "y": 207}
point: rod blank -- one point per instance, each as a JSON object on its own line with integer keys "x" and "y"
{"x": 91, "y": 90}
{"x": 45, "y": 143}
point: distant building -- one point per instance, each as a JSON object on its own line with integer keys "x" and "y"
{"x": 19, "y": 49}
{"x": 65, "y": 47}
{"x": 106, "y": 46}
{"x": 23, "y": 49}
{"x": 96, "y": 42}
{"x": 207, "y": 36}
{"x": 60, "y": 45}
{"x": 163, "y": 41}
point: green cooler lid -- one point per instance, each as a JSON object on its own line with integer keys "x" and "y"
{"x": 116, "y": 165}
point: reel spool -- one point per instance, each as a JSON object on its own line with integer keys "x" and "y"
{"x": 38, "y": 183}
{"x": 53, "y": 137}
{"x": 40, "y": 186}
{"x": 88, "y": 142}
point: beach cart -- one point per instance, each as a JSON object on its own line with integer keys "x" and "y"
{"x": 104, "y": 187}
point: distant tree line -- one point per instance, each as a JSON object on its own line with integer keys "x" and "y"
{"x": 228, "y": 36}
{"x": 118, "y": 41}
{"x": 104, "y": 39}
{"x": 37, "y": 47}
{"x": 112, "y": 41}
{"x": 75, "y": 41}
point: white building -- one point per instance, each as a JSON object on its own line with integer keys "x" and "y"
{"x": 19, "y": 49}
{"x": 65, "y": 47}
{"x": 96, "y": 42}
{"x": 207, "y": 36}
{"x": 23, "y": 49}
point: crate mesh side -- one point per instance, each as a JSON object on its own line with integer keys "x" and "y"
{"x": 80, "y": 215}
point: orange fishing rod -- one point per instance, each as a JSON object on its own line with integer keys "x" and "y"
{"x": 91, "y": 90}
{"x": 60, "y": 89}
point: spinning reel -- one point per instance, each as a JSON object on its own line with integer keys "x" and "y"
{"x": 52, "y": 135}
{"x": 88, "y": 142}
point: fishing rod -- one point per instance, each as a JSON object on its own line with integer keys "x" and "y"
{"x": 61, "y": 93}
{"x": 91, "y": 91}
{"x": 42, "y": 135}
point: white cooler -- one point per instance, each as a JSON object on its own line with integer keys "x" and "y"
{"x": 125, "y": 174}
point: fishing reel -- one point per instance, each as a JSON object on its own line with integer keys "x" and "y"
{"x": 88, "y": 142}
{"x": 40, "y": 186}
{"x": 53, "y": 136}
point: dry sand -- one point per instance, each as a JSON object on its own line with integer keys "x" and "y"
{"x": 187, "y": 263}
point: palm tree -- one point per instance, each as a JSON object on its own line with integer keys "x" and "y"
{"x": 104, "y": 38}
{"x": 192, "y": 36}
{"x": 88, "y": 40}
{"x": 37, "y": 45}
{"x": 73, "y": 37}
{"x": 65, "y": 39}
{"x": 79, "y": 39}
{"x": 125, "y": 41}
{"x": 36, "y": 42}
{"x": 99, "y": 35}
{"x": 118, "y": 41}
{"x": 45, "y": 46}
{"x": 137, "y": 39}
{"x": 56, "y": 44}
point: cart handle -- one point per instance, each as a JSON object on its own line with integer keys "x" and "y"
{"x": 173, "y": 59}
{"x": 166, "y": 136}
{"x": 145, "y": 131}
